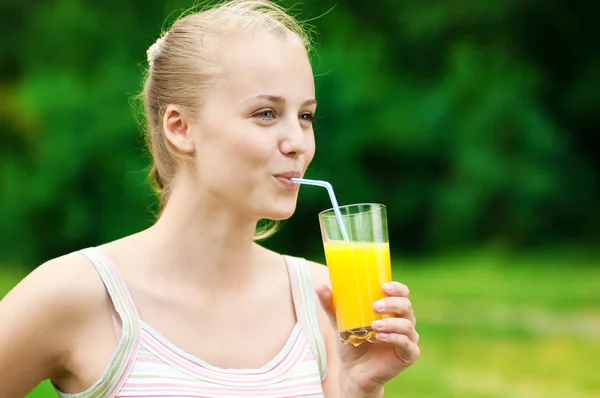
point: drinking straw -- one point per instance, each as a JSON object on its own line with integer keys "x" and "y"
{"x": 336, "y": 208}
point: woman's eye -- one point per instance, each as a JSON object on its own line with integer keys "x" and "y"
{"x": 266, "y": 114}
{"x": 307, "y": 117}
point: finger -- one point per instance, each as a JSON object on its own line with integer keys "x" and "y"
{"x": 406, "y": 350}
{"x": 394, "y": 305}
{"x": 326, "y": 300}
{"x": 396, "y": 289}
{"x": 398, "y": 326}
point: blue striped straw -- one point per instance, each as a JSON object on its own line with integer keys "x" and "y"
{"x": 336, "y": 208}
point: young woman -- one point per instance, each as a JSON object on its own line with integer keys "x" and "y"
{"x": 193, "y": 306}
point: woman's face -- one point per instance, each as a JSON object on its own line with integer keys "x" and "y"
{"x": 255, "y": 130}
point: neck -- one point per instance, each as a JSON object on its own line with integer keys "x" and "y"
{"x": 204, "y": 242}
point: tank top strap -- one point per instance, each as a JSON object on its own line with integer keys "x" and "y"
{"x": 126, "y": 352}
{"x": 115, "y": 285}
{"x": 305, "y": 304}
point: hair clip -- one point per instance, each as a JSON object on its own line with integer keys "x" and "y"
{"x": 154, "y": 50}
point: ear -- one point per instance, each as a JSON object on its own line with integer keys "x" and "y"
{"x": 177, "y": 130}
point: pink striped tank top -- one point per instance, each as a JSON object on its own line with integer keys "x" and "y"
{"x": 145, "y": 364}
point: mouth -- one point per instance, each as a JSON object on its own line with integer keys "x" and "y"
{"x": 289, "y": 175}
{"x": 284, "y": 179}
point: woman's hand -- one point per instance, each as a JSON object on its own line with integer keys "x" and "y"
{"x": 366, "y": 368}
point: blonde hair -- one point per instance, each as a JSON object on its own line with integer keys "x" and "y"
{"x": 182, "y": 66}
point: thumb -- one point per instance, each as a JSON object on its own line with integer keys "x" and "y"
{"x": 326, "y": 300}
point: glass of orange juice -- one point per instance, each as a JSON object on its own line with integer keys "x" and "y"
{"x": 358, "y": 264}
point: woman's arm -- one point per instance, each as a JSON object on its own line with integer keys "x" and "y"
{"x": 37, "y": 319}
{"x": 338, "y": 382}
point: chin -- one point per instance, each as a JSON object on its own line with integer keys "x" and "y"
{"x": 279, "y": 211}
{"x": 276, "y": 207}
{"x": 279, "y": 215}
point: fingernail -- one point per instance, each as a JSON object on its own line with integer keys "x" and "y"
{"x": 378, "y": 324}
{"x": 379, "y": 305}
{"x": 382, "y": 336}
{"x": 387, "y": 287}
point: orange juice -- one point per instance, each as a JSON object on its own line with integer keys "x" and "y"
{"x": 357, "y": 270}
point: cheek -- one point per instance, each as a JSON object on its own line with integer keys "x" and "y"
{"x": 310, "y": 153}
{"x": 252, "y": 149}
{"x": 241, "y": 160}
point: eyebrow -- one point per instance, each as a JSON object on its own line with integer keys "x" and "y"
{"x": 281, "y": 100}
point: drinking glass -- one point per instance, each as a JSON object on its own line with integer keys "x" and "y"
{"x": 358, "y": 265}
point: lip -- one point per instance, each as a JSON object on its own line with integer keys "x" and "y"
{"x": 289, "y": 174}
{"x": 284, "y": 179}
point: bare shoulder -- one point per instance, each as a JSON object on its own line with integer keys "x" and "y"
{"x": 39, "y": 317}
{"x": 65, "y": 283}
{"x": 320, "y": 276}
{"x": 319, "y": 273}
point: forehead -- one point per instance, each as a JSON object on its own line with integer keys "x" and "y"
{"x": 263, "y": 63}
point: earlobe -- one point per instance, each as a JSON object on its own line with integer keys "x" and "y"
{"x": 177, "y": 130}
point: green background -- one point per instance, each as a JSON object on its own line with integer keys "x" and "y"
{"x": 475, "y": 122}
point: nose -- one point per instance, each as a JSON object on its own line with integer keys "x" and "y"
{"x": 295, "y": 140}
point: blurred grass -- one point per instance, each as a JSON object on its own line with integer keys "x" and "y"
{"x": 495, "y": 326}
{"x": 499, "y": 326}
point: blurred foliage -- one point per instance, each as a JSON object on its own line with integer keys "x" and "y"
{"x": 473, "y": 121}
